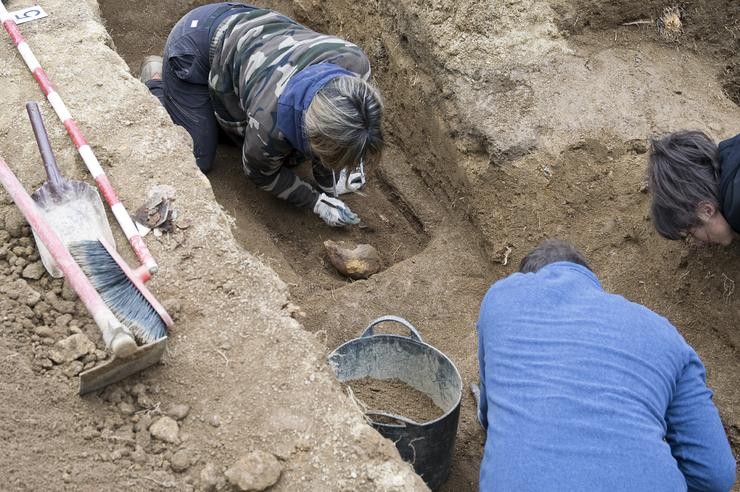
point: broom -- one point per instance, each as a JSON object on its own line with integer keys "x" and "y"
{"x": 115, "y": 334}
{"x": 121, "y": 289}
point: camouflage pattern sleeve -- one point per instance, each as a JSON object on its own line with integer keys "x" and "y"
{"x": 254, "y": 56}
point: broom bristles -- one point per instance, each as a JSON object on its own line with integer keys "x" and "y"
{"x": 118, "y": 292}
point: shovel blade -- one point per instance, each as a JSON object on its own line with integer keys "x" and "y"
{"x": 117, "y": 369}
{"x": 76, "y": 213}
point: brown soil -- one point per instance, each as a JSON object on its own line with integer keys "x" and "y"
{"x": 507, "y": 122}
{"x": 393, "y": 396}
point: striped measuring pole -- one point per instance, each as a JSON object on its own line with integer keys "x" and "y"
{"x": 104, "y": 184}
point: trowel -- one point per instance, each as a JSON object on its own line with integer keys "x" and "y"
{"x": 73, "y": 208}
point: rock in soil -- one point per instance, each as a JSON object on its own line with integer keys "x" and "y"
{"x": 73, "y": 369}
{"x": 396, "y": 397}
{"x": 71, "y": 348}
{"x": 355, "y": 262}
{"x": 178, "y": 411}
{"x": 210, "y": 477}
{"x": 166, "y": 429}
{"x": 182, "y": 460}
{"x": 256, "y": 471}
{"x": 14, "y": 222}
{"x": 34, "y": 271}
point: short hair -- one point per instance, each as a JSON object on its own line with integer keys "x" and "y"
{"x": 343, "y": 123}
{"x": 683, "y": 171}
{"x": 551, "y": 251}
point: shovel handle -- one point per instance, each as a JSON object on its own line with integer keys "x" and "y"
{"x": 42, "y": 139}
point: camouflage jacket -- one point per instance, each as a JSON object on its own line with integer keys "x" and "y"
{"x": 254, "y": 56}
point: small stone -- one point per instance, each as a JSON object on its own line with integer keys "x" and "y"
{"x": 63, "y": 320}
{"x": 126, "y": 408}
{"x": 138, "y": 389}
{"x": 73, "y": 369}
{"x": 45, "y": 363}
{"x": 143, "y": 438}
{"x": 139, "y": 455}
{"x": 34, "y": 271}
{"x": 178, "y": 411}
{"x": 166, "y": 429}
{"x": 256, "y": 471}
{"x": 182, "y": 460}
{"x": 210, "y": 477}
{"x": 14, "y": 222}
{"x": 143, "y": 424}
{"x": 31, "y": 297}
{"x": 144, "y": 401}
{"x": 214, "y": 421}
{"x": 44, "y": 331}
{"x": 68, "y": 293}
{"x": 113, "y": 394}
{"x": 71, "y": 348}
{"x": 66, "y": 478}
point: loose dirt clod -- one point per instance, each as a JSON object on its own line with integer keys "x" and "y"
{"x": 396, "y": 397}
{"x": 71, "y": 348}
{"x": 166, "y": 429}
{"x": 356, "y": 262}
{"x": 256, "y": 471}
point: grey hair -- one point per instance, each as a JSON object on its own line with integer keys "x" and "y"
{"x": 551, "y": 251}
{"x": 683, "y": 171}
{"x": 343, "y": 123}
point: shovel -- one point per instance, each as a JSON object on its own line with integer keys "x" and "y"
{"x": 73, "y": 208}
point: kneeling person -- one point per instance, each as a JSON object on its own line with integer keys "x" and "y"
{"x": 585, "y": 390}
{"x": 282, "y": 91}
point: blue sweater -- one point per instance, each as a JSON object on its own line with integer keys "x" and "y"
{"x": 584, "y": 390}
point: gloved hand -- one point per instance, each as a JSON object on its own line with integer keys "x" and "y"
{"x": 350, "y": 181}
{"x": 334, "y": 212}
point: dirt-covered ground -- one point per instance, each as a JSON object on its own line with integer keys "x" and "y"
{"x": 508, "y": 122}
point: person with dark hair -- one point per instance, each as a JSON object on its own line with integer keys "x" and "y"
{"x": 285, "y": 93}
{"x": 695, "y": 187}
{"x": 585, "y": 390}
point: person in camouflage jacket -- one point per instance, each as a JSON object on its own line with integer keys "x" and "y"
{"x": 282, "y": 91}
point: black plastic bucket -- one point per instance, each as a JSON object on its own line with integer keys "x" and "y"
{"x": 428, "y": 446}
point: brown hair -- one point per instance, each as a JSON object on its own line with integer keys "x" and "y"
{"x": 683, "y": 171}
{"x": 551, "y": 251}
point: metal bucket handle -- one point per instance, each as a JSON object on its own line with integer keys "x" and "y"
{"x": 403, "y": 421}
{"x": 370, "y": 330}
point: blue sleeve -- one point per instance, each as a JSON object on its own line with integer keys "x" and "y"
{"x": 483, "y": 403}
{"x": 695, "y": 433}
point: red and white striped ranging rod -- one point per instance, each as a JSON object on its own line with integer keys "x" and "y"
{"x": 104, "y": 184}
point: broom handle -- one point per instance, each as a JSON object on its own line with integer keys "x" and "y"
{"x": 104, "y": 184}
{"x": 42, "y": 139}
{"x": 104, "y": 318}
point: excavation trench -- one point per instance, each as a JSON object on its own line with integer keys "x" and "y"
{"x": 488, "y": 155}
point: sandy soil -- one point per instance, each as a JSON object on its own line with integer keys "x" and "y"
{"x": 508, "y": 123}
{"x": 394, "y": 396}
{"x": 240, "y": 374}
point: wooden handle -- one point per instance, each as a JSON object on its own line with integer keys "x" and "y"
{"x": 42, "y": 139}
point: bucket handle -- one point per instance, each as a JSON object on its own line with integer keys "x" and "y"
{"x": 404, "y": 421}
{"x": 370, "y": 330}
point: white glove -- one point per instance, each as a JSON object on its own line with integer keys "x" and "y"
{"x": 334, "y": 212}
{"x": 349, "y": 182}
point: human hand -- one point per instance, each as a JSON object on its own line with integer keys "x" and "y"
{"x": 334, "y": 212}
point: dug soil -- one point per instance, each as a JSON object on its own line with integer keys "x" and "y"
{"x": 395, "y": 397}
{"x": 507, "y": 123}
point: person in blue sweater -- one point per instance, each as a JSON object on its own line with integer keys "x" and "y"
{"x": 584, "y": 390}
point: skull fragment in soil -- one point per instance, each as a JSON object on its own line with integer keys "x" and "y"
{"x": 355, "y": 262}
